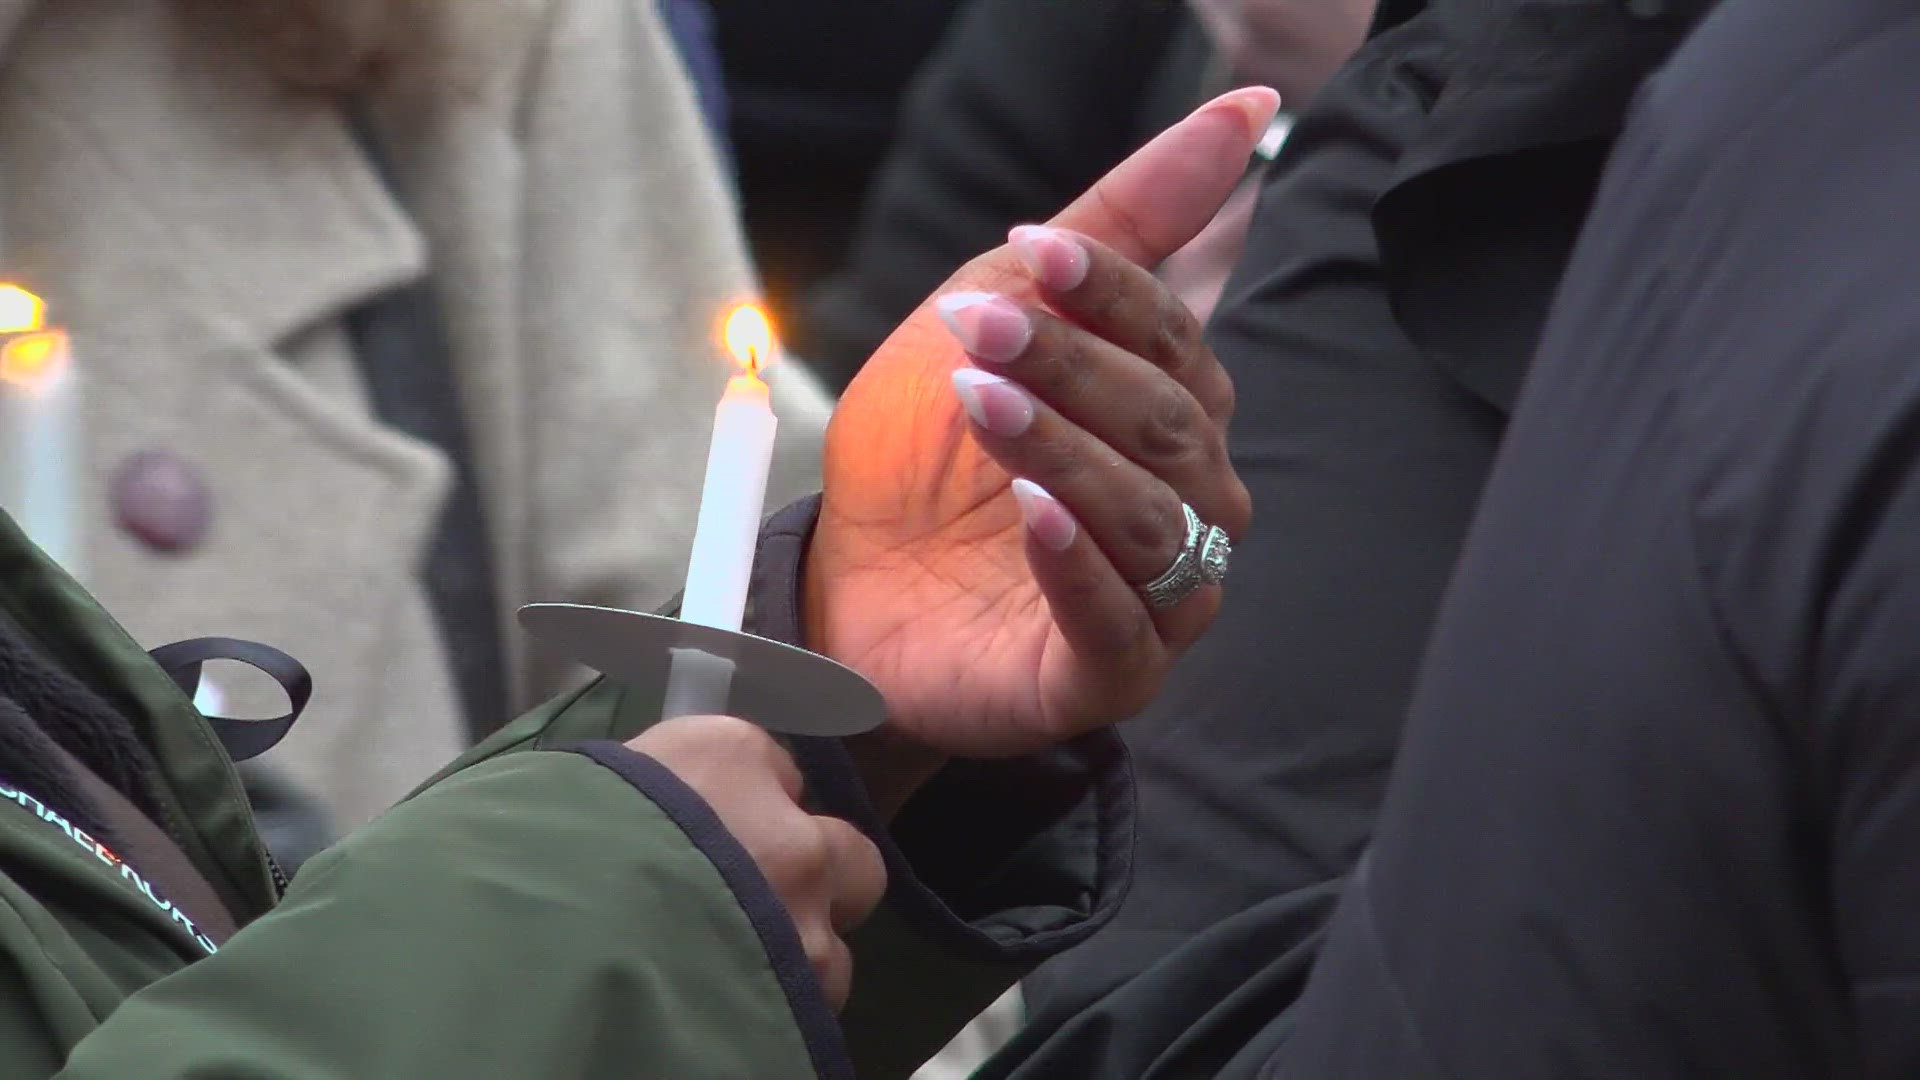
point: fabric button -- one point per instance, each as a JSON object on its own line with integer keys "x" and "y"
{"x": 163, "y": 500}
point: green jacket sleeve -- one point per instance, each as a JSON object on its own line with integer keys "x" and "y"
{"x": 531, "y": 916}
{"x": 556, "y": 905}
{"x": 994, "y": 868}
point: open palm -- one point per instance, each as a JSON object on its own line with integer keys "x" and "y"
{"x": 923, "y": 574}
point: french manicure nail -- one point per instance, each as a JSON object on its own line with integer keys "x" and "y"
{"x": 1257, "y": 106}
{"x": 988, "y": 326}
{"x": 992, "y": 402}
{"x": 1055, "y": 259}
{"x": 1046, "y": 519}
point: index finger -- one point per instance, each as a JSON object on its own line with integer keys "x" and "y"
{"x": 1160, "y": 198}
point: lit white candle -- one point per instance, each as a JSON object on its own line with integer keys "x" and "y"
{"x": 40, "y": 445}
{"x": 735, "y": 495}
{"x": 731, "y": 506}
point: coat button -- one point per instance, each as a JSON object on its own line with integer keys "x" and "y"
{"x": 163, "y": 500}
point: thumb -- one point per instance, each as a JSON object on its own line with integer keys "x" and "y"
{"x": 1151, "y": 204}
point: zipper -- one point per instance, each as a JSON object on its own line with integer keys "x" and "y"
{"x": 280, "y": 882}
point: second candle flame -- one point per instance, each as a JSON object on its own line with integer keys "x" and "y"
{"x": 32, "y": 361}
{"x": 749, "y": 337}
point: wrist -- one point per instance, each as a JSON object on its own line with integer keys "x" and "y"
{"x": 893, "y": 767}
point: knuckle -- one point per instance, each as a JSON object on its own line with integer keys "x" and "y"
{"x": 822, "y": 945}
{"x": 1224, "y": 398}
{"x": 860, "y": 877}
{"x": 749, "y": 745}
{"x": 1171, "y": 431}
{"x": 713, "y": 739}
{"x": 835, "y": 968}
{"x": 817, "y": 858}
{"x": 1156, "y": 527}
{"x": 1176, "y": 343}
{"x": 801, "y": 875}
{"x": 725, "y": 730}
{"x": 871, "y": 864}
{"x": 1106, "y": 289}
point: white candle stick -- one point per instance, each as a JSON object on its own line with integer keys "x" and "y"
{"x": 731, "y": 506}
{"x": 40, "y": 444}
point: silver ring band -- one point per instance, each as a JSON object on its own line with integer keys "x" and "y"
{"x": 1205, "y": 554}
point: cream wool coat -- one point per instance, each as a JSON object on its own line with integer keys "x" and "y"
{"x": 202, "y": 230}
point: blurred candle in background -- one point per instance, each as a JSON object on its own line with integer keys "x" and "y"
{"x": 40, "y": 440}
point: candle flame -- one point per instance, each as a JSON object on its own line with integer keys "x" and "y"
{"x": 20, "y": 310}
{"x": 749, "y": 337}
{"x": 31, "y": 360}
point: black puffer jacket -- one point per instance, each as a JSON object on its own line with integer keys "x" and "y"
{"x": 1398, "y": 272}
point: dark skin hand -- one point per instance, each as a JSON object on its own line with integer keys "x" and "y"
{"x": 997, "y": 617}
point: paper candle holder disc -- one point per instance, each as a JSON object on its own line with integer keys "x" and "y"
{"x": 784, "y": 689}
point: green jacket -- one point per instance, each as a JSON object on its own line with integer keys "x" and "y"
{"x": 551, "y": 905}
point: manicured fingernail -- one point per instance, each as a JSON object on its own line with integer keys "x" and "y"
{"x": 1256, "y": 106}
{"x": 992, "y": 402}
{"x": 988, "y": 326}
{"x": 1055, "y": 259}
{"x": 1046, "y": 519}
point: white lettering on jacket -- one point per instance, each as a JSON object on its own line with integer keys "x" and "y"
{"x": 99, "y": 851}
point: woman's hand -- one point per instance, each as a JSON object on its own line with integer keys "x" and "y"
{"x": 998, "y": 615}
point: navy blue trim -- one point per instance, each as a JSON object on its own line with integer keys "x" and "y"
{"x": 819, "y": 1028}
{"x": 835, "y": 786}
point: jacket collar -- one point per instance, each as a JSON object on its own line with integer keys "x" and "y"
{"x": 201, "y": 203}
